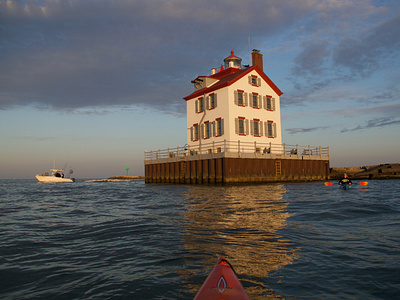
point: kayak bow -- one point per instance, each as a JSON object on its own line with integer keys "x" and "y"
{"x": 222, "y": 283}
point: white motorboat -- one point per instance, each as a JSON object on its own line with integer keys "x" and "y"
{"x": 55, "y": 176}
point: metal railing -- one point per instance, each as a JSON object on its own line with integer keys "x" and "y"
{"x": 237, "y": 149}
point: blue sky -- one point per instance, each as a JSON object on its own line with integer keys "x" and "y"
{"x": 96, "y": 83}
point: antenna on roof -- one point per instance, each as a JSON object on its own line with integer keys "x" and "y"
{"x": 249, "y": 52}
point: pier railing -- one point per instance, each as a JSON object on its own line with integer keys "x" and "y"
{"x": 237, "y": 149}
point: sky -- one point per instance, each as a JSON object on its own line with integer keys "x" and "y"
{"x": 93, "y": 84}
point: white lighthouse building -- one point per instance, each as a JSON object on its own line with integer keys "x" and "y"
{"x": 234, "y": 134}
{"x": 235, "y": 103}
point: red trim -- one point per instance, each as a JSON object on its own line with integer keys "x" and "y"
{"x": 254, "y": 76}
{"x": 230, "y": 76}
{"x": 242, "y": 118}
{"x": 255, "y": 93}
{"x": 217, "y": 119}
{"x": 240, "y": 91}
{"x": 256, "y": 120}
{"x": 270, "y": 121}
{"x": 268, "y": 96}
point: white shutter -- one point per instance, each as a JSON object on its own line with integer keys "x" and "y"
{"x": 246, "y": 100}
{"x": 274, "y": 129}
{"x": 259, "y": 101}
{"x": 261, "y": 128}
{"x": 237, "y": 125}
{"x": 246, "y": 121}
{"x": 236, "y": 97}
{"x": 251, "y": 127}
{"x": 250, "y": 82}
{"x": 273, "y": 104}
{"x": 258, "y": 81}
{"x": 265, "y": 102}
{"x": 213, "y": 128}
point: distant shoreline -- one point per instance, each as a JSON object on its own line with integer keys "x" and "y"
{"x": 382, "y": 171}
{"x": 126, "y": 177}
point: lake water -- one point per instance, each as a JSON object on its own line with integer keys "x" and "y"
{"x": 131, "y": 240}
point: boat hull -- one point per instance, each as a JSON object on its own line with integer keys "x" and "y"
{"x": 53, "y": 179}
{"x": 222, "y": 283}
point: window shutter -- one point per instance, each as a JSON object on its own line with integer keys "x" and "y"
{"x": 261, "y": 128}
{"x": 246, "y": 100}
{"x": 215, "y": 100}
{"x": 196, "y": 104}
{"x": 191, "y": 133}
{"x": 273, "y": 104}
{"x": 250, "y": 82}
{"x": 266, "y": 128}
{"x": 258, "y": 81}
{"x": 236, "y": 97}
{"x": 202, "y": 131}
{"x": 213, "y": 128}
{"x": 246, "y": 121}
{"x": 207, "y": 102}
{"x": 237, "y": 125}
{"x": 259, "y": 101}
{"x": 251, "y": 127}
{"x": 274, "y": 129}
{"x": 265, "y": 102}
{"x": 222, "y": 126}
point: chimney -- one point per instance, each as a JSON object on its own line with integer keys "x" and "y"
{"x": 257, "y": 59}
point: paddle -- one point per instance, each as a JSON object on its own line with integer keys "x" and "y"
{"x": 361, "y": 183}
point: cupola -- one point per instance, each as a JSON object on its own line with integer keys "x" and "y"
{"x": 233, "y": 61}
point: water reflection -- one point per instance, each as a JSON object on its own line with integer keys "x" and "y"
{"x": 239, "y": 222}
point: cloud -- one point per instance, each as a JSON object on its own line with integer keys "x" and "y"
{"x": 69, "y": 55}
{"x": 366, "y": 53}
{"x": 76, "y": 54}
{"x": 375, "y": 123}
{"x": 305, "y": 130}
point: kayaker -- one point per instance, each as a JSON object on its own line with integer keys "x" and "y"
{"x": 345, "y": 180}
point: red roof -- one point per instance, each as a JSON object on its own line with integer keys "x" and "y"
{"x": 229, "y": 76}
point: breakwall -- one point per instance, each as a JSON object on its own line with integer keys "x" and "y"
{"x": 237, "y": 170}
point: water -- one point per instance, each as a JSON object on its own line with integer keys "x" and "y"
{"x": 129, "y": 240}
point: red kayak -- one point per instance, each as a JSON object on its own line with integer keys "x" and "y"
{"x": 222, "y": 283}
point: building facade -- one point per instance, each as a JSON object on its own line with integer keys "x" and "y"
{"x": 234, "y": 104}
{"x": 234, "y": 134}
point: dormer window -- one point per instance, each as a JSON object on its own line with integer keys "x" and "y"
{"x": 254, "y": 80}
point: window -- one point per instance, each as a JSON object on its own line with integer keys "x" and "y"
{"x": 219, "y": 127}
{"x": 254, "y": 80}
{"x": 195, "y": 132}
{"x": 240, "y": 98}
{"x": 269, "y": 103}
{"x": 255, "y": 100}
{"x": 201, "y": 104}
{"x": 206, "y": 130}
{"x": 271, "y": 129}
{"x": 241, "y": 126}
{"x": 256, "y": 128}
{"x": 213, "y": 101}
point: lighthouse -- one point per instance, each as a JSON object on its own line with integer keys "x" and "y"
{"x": 234, "y": 104}
{"x": 234, "y": 133}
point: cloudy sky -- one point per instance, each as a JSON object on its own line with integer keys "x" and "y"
{"x": 96, "y": 83}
